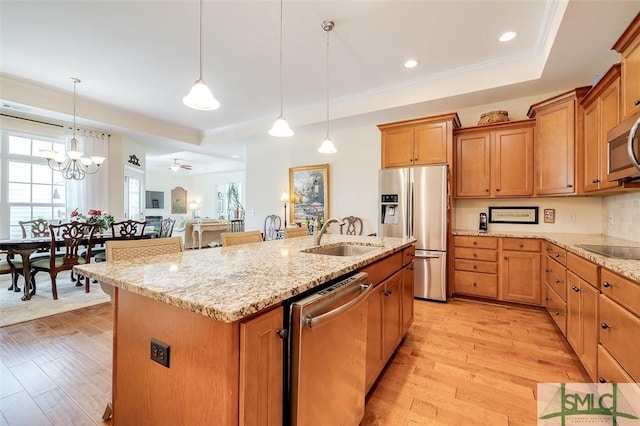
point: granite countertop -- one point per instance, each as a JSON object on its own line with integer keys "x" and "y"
{"x": 627, "y": 268}
{"x": 231, "y": 283}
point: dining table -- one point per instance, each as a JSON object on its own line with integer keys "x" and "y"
{"x": 25, "y": 247}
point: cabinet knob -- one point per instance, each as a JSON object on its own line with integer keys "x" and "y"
{"x": 606, "y": 284}
{"x": 506, "y": 258}
{"x": 546, "y": 298}
{"x": 604, "y": 326}
{"x": 475, "y": 267}
{"x": 569, "y": 185}
{"x": 557, "y": 255}
{"x": 602, "y": 380}
{"x": 475, "y": 243}
{"x": 486, "y": 190}
{"x": 637, "y": 102}
{"x": 557, "y": 281}
{"x": 388, "y": 292}
{"x": 597, "y": 181}
{"x": 282, "y": 333}
{"x": 556, "y": 313}
{"x": 475, "y": 255}
{"x": 497, "y": 189}
{"x": 415, "y": 159}
{"x": 547, "y": 270}
{"x": 547, "y": 249}
{"x": 521, "y": 245}
{"x": 475, "y": 284}
{"x": 576, "y": 289}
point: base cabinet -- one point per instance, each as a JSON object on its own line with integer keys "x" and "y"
{"x": 582, "y": 321}
{"x": 520, "y": 271}
{"x": 407, "y": 297}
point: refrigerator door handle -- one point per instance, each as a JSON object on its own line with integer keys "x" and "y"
{"x": 410, "y": 207}
{"x": 428, "y": 256}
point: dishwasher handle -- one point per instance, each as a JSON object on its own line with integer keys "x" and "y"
{"x": 311, "y": 322}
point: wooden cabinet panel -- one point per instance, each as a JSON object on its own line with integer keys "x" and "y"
{"x": 512, "y": 162}
{"x": 407, "y": 297}
{"x": 476, "y": 266}
{"x": 609, "y": 371}
{"x": 521, "y": 244}
{"x": 476, "y": 242}
{"x": 557, "y": 308}
{"x": 609, "y": 118}
{"x": 590, "y": 327}
{"x": 520, "y": 277}
{"x": 583, "y": 268}
{"x": 476, "y": 254}
{"x": 408, "y": 254}
{"x": 476, "y": 284}
{"x": 621, "y": 290}
{"x": 382, "y": 269}
{"x": 397, "y": 147}
{"x": 592, "y": 146}
{"x": 556, "y": 277}
{"x": 558, "y": 254}
{"x": 573, "y": 313}
{"x": 473, "y": 165}
{"x": 430, "y": 144}
{"x": 619, "y": 331}
{"x": 261, "y": 360}
{"x": 374, "y": 362}
{"x": 392, "y": 314}
{"x": 628, "y": 45}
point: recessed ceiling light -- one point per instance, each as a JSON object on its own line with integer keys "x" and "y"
{"x": 411, "y": 63}
{"x": 235, "y": 156}
{"x": 508, "y": 36}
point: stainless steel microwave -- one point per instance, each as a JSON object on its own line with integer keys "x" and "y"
{"x": 623, "y": 149}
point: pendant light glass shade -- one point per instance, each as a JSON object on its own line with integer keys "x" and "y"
{"x": 200, "y": 97}
{"x": 281, "y": 128}
{"x": 327, "y": 146}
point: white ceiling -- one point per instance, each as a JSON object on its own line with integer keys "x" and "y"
{"x": 141, "y": 56}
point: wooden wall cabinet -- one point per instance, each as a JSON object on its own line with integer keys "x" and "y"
{"x": 628, "y": 45}
{"x": 601, "y": 114}
{"x": 495, "y": 160}
{"x": 520, "y": 270}
{"x": 418, "y": 142}
{"x": 559, "y": 143}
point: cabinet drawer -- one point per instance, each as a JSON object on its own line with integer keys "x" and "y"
{"x": 476, "y": 266}
{"x": 556, "y": 278}
{"x": 622, "y": 290}
{"x": 384, "y": 268}
{"x": 479, "y": 242}
{"x": 557, "y": 308}
{"x": 619, "y": 331}
{"x": 476, "y": 284}
{"x": 556, "y": 253}
{"x": 609, "y": 371}
{"x": 583, "y": 268}
{"x": 520, "y": 244}
{"x": 408, "y": 254}
{"x": 476, "y": 254}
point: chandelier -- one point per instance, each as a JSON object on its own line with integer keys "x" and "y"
{"x": 73, "y": 164}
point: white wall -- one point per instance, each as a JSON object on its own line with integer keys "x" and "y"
{"x": 587, "y": 212}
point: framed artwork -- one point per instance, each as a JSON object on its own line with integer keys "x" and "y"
{"x": 309, "y": 192}
{"x": 178, "y": 200}
{"x": 524, "y": 215}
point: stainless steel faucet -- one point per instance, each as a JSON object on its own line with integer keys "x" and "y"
{"x": 317, "y": 234}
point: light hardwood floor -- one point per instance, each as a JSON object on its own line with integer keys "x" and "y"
{"x": 463, "y": 363}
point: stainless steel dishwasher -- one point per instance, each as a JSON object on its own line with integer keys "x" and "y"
{"x": 327, "y": 354}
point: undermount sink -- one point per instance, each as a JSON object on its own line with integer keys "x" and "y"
{"x": 343, "y": 249}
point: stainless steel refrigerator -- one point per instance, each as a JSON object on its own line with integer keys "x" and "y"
{"x": 413, "y": 202}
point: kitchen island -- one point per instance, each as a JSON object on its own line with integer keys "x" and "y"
{"x": 218, "y": 311}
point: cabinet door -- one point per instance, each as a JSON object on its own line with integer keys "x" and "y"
{"x": 397, "y": 147}
{"x": 392, "y": 314}
{"x": 473, "y": 165}
{"x": 630, "y": 81}
{"x": 407, "y": 297}
{"x": 512, "y": 162}
{"x": 430, "y": 144}
{"x": 574, "y": 333}
{"x": 520, "y": 277}
{"x": 592, "y": 136}
{"x": 555, "y": 153}
{"x": 609, "y": 118}
{"x": 374, "y": 335}
{"x": 589, "y": 320}
{"x": 261, "y": 370}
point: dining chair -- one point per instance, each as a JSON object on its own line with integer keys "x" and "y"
{"x": 122, "y": 230}
{"x": 13, "y": 266}
{"x": 234, "y": 238}
{"x": 71, "y": 237}
{"x": 36, "y": 228}
{"x": 352, "y": 226}
{"x": 271, "y": 225}
{"x": 301, "y": 231}
{"x": 166, "y": 227}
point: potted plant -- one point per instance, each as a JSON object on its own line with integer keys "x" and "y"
{"x": 235, "y": 210}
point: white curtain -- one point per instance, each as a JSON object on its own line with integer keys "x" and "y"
{"x": 91, "y": 192}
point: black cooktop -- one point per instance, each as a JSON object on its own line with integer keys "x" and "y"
{"x": 620, "y": 252}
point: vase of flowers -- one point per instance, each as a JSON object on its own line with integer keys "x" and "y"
{"x": 93, "y": 216}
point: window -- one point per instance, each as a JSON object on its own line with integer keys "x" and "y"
{"x": 33, "y": 190}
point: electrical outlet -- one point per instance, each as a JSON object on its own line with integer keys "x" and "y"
{"x": 610, "y": 219}
{"x": 160, "y": 352}
{"x": 572, "y": 217}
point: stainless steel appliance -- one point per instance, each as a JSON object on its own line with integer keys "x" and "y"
{"x": 413, "y": 202}
{"x": 619, "y": 252}
{"x": 328, "y": 354}
{"x": 623, "y": 148}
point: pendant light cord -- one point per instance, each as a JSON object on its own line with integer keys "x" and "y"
{"x": 328, "y": 30}
{"x": 75, "y": 81}
{"x": 281, "y": 80}
{"x": 201, "y": 1}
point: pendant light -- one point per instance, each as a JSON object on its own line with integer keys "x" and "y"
{"x": 200, "y": 97}
{"x": 327, "y": 146}
{"x": 281, "y": 128}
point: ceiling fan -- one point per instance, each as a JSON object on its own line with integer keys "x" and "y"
{"x": 175, "y": 166}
